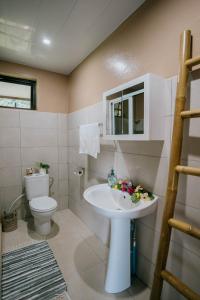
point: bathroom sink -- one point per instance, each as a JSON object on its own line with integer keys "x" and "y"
{"x": 117, "y": 206}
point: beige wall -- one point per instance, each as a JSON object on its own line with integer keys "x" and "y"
{"x": 52, "y": 88}
{"x": 148, "y": 41}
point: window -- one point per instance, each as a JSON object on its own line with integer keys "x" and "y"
{"x": 17, "y": 92}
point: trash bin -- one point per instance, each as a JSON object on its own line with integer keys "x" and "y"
{"x": 9, "y": 222}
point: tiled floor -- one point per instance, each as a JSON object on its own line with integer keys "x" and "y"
{"x": 81, "y": 256}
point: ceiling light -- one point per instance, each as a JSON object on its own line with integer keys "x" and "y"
{"x": 46, "y": 41}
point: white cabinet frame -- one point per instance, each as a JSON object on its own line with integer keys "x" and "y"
{"x": 154, "y": 100}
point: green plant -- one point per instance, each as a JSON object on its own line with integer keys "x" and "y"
{"x": 44, "y": 166}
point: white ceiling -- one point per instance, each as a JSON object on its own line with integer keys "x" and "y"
{"x": 75, "y": 28}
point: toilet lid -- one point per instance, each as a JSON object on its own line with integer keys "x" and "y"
{"x": 43, "y": 203}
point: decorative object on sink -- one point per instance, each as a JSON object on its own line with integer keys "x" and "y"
{"x": 137, "y": 193}
{"x": 112, "y": 178}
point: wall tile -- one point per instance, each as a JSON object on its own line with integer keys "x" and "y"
{"x": 145, "y": 269}
{"x": 189, "y": 187}
{"x": 8, "y": 194}
{"x": 63, "y": 187}
{"x": 35, "y": 119}
{"x": 9, "y": 157}
{"x": 151, "y": 172}
{"x": 10, "y": 137}
{"x": 10, "y": 176}
{"x": 53, "y": 171}
{"x": 77, "y": 118}
{"x": 79, "y": 160}
{"x": 106, "y": 160}
{"x": 38, "y": 137}
{"x": 168, "y": 99}
{"x": 62, "y": 122}
{"x": 63, "y": 155}
{"x": 194, "y": 91}
{"x": 62, "y": 202}
{"x": 74, "y": 182}
{"x": 62, "y": 139}
{"x": 185, "y": 265}
{"x": 173, "y": 92}
{"x": 73, "y": 137}
{"x": 63, "y": 171}
{"x": 31, "y": 155}
{"x": 154, "y": 220}
{"x": 9, "y": 118}
{"x": 147, "y": 241}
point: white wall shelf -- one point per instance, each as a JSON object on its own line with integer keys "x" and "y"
{"x": 135, "y": 110}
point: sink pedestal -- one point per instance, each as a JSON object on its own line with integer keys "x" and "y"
{"x": 118, "y": 276}
{"x": 118, "y": 206}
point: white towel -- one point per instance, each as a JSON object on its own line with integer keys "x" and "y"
{"x": 90, "y": 139}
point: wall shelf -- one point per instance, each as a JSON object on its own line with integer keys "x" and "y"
{"x": 135, "y": 110}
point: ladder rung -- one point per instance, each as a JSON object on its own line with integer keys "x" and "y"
{"x": 185, "y": 227}
{"x": 191, "y": 62}
{"x": 179, "y": 285}
{"x": 190, "y": 113}
{"x": 188, "y": 170}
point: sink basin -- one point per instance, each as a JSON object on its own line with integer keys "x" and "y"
{"x": 117, "y": 206}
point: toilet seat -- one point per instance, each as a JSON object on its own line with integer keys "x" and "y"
{"x": 43, "y": 204}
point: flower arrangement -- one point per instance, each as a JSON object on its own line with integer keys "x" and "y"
{"x": 137, "y": 193}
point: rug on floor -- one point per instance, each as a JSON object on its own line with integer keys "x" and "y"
{"x": 31, "y": 273}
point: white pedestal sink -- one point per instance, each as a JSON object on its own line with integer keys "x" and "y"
{"x": 117, "y": 206}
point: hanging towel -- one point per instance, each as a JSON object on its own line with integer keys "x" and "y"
{"x": 90, "y": 139}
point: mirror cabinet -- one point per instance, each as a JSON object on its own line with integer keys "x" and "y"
{"x": 134, "y": 110}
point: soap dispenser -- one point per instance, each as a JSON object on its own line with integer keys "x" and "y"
{"x": 112, "y": 178}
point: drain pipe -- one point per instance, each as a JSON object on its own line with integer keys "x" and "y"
{"x": 14, "y": 202}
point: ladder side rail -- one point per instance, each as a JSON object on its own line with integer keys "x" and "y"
{"x": 175, "y": 156}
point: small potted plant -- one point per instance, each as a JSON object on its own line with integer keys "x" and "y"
{"x": 44, "y": 168}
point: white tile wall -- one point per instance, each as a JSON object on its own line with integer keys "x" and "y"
{"x": 9, "y": 118}
{"x": 34, "y": 119}
{"x": 145, "y": 163}
{"x": 10, "y": 137}
{"x": 40, "y": 137}
{"x": 29, "y": 137}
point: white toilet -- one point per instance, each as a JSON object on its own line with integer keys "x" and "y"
{"x": 41, "y": 205}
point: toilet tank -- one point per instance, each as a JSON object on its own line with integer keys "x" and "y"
{"x": 36, "y": 185}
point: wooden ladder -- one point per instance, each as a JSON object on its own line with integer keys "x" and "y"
{"x": 169, "y": 222}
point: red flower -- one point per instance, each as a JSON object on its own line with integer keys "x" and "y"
{"x": 130, "y": 190}
{"x": 123, "y": 189}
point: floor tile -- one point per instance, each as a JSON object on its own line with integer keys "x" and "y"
{"x": 81, "y": 256}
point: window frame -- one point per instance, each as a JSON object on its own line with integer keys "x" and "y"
{"x": 22, "y": 81}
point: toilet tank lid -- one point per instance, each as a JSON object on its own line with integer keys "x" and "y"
{"x": 43, "y": 203}
{"x": 35, "y": 176}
